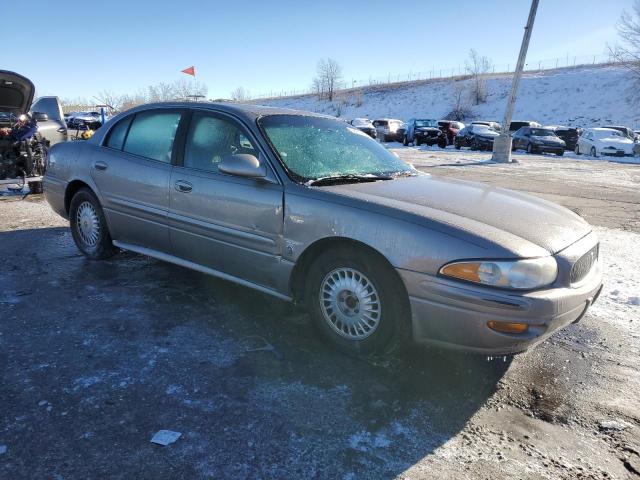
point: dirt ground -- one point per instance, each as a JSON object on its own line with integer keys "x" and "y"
{"x": 95, "y": 357}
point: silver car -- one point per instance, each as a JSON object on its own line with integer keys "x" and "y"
{"x": 310, "y": 209}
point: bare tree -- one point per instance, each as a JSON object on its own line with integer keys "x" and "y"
{"x": 240, "y": 94}
{"x": 478, "y": 66}
{"x": 329, "y": 75}
{"x": 460, "y": 110}
{"x": 629, "y": 32}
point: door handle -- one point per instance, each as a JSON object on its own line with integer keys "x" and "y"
{"x": 182, "y": 186}
{"x": 99, "y": 165}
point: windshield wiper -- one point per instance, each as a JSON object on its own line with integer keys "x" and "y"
{"x": 347, "y": 179}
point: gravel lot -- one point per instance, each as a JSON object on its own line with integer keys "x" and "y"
{"x": 97, "y": 357}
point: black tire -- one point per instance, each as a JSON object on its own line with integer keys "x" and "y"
{"x": 593, "y": 152}
{"x": 442, "y": 143}
{"x": 474, "y": 144}
{"x": 102, "y": 247}
{"x": 578, "y": 150}
{"x": 529, "y": 148}
{"x": 416, "y": 141}
{"x": 560, "y": 153}
{"x": 393, "y": 327}
{"x": 457, "y": 145}
{"x": 405, "y": 141}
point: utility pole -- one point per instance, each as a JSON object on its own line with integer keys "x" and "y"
{"x": 502, "y": 143}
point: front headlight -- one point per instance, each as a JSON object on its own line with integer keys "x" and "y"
{"x": 516, "y": 274}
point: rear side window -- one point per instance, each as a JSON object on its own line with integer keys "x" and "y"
{"x": 117, "y": 133}
{"x": 152, "y": 133}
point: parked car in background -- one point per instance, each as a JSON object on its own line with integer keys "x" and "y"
{"x": 538, "y": 140}
{"x": 365, "y": 125}
{"x": 491, "y": 124}
{"x": 380, "y": 253}
{"x": 51, "y": 125}
{"x": 389, "y": 129}
{"x": 604, "y": 141}
{"x": 421, "y": 130}
{"x": 518, "y": 124}
{"x": 626, "y": 131}
{"x": 568, "y": 134}
{"x": 27, "y": 128}
{"x": 450, "y": 128}
{"x": 476, "y": 137}
{"x": 91, "y": 120}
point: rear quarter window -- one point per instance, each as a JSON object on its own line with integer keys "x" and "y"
{"x": 117, "y": 134}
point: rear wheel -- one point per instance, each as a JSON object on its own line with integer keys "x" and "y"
{"x": 593, "y": 152}
{"x": 89, "y": 226}
{"x": 416, "y": 141}
{"x": 357, "y": 302}
{"x": 405, "y": 141}
{"x": 457, "y": 144}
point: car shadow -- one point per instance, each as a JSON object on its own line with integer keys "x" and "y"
{"x": 241, "y": 375}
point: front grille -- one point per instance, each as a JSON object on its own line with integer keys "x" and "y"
{"x": 584, "y": 264}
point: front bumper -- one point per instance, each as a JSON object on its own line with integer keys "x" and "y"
{"x": 548, "y": 148}
{"x": 455, "y": 314}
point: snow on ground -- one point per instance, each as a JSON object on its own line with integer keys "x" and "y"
{"x": 581, "y": 96}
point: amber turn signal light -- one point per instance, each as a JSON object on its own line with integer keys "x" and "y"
{"x": 508, "y": 327}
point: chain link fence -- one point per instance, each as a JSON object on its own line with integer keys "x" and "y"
{"x": 442, "y": 73}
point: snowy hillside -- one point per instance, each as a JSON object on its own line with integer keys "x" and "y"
{"x": 581, "y": 96}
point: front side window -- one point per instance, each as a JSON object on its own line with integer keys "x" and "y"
{"x": 314, "y": 147}
{"x": 210, "y": 139}
{"x": 152, "y": 133}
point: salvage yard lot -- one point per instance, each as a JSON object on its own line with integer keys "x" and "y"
{"x": 97, "y": 357}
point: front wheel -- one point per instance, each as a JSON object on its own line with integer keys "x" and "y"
{"x": 416, "y": 141}
{"x": 578, "y": 150}
{"x": 405, "y": 141}
{"x": 357, "y": 302}
{"x": 457, "y": 145}
{"x": 442, "y": 143}
{"x": 560, "y": 153}
{"x": 593, "y": 152}
{"x": 529, "y": 148}
{"x": 89, "y": 226}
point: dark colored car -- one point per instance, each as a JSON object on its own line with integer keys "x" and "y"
{"x": 420, "y": 130}
{"x": 489, "y": 123}
{"x": 538, "y": 140}
{"x": 626, "y": 131}
{"x": 91, "y": 120}
{"x": 569, "y": 135}
{"x": 450, "y": 128}
{"x": 518, "y": 124}
{"x": 364, "y": 125}
{"x": 476, "y": 137}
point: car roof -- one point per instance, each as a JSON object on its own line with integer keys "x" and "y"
{"x": 243, "y": 110}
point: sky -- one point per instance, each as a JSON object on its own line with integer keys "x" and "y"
{"x": 80, "y": 49}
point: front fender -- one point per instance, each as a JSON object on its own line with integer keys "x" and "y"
{"x": 406, "y": 245}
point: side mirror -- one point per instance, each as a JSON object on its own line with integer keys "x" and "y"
{"x": 40, "y": 117}
{"x": 242, "y": 165}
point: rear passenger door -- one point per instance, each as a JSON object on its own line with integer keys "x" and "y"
{"x": 132, "y": 170}
{"x": 224, "y": 222}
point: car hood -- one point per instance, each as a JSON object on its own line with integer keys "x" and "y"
{"x": 521, "y": 223}
{"x": 16, "y": 93}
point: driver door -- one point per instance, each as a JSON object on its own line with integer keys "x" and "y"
{"x": 227, "y": 223}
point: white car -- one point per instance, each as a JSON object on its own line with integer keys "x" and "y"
{"x": 604, "y": 141}
{"x": 389, "y": 129}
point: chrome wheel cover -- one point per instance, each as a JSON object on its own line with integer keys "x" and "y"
{"x": 88, "y": 224}
{"x": 350, "y": 303}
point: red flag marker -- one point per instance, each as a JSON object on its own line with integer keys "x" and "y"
{"x": 190, "y": 71}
